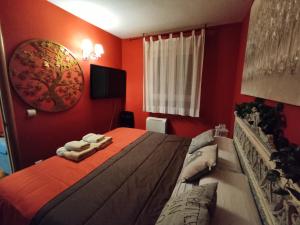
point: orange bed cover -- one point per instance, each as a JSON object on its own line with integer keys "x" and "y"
{"x": 25, "y": 192}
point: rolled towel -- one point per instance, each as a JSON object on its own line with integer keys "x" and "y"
{"x": 60, "y": 151}
{"x": 105, "y": 142}
{"x": 93, "y": 138}
{"x": 77, "y": 146}
{"x": 78, "y": 156}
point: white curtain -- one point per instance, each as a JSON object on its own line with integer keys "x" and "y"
{"x": 173, "y": 74}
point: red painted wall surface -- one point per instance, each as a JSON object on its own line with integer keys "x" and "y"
{"x": 221, "y": 52}
{"x": 39, "y": 137}
{"x": 292, "y": 112}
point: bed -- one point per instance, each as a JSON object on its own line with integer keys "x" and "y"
{"x": 128, "y": 182}
{"x": 26, "y": 196}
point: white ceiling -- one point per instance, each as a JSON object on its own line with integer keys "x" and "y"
{"x": 132, "y": 18}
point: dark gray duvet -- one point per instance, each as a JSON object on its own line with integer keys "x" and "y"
{"x": 130, "y": 188}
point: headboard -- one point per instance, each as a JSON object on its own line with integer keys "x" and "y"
{"x": 254, "y": 154}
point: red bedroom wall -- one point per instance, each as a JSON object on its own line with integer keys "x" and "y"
{"x": 221, "y": 52}
{"x": 292, "y": 112}
{"x": 39, "y": 137}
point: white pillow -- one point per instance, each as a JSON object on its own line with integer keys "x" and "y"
{"x": 200, "y": 163}
{"x": 203, "y": 139}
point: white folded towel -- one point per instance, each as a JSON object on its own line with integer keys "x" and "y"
{"x": 77, "y": 146}
{"x": 60, "y": 151}
{"x": 80, "y": 155}
{"x": 93, "y": 138}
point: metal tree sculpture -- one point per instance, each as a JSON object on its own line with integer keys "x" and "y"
{"x": 46, "y": 75}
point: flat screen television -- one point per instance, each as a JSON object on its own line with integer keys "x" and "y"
{"x": 107, "y": 82}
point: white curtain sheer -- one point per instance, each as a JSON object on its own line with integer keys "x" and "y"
{"x": 173, "y": 73}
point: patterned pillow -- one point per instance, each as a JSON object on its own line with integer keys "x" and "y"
{"x": 192, "y": 207}
{"x": 203, "y": 139}
{"x": 200, "y": 163}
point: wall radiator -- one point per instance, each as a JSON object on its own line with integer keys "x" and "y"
{"x": 156, "y": 124}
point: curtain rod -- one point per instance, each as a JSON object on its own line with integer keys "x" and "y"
{"x": 173, "y": 32}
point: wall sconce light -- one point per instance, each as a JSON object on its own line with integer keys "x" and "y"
{"x": 90, "y": 51}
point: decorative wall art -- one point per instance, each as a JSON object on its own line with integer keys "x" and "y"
{"x": 272, "y": 68}
{"x": 46, "y": 75}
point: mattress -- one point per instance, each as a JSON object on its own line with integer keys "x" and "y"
{"x": 235, "y": 203}
{"x": 227, "y": 160}
{"x": 25, "y": 192}
{"x": 227, "y": 156}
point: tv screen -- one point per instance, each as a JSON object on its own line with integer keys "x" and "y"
{"x": 107, "y": 82}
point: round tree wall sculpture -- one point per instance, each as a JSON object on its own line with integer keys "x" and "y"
{"x": 46, "y": 75}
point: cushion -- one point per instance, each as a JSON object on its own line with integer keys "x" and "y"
{"x": 182, "y": 187}
{"x": 203, "y": 139}
{"x": 235, "y": 204}
{"x": 200, "y": 163}
{"x": 192, "y": 207}
{"x": 228, "y": 161}
{"x": 227, "y": 156}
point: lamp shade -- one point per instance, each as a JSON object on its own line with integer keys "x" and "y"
{"x": 90, "y": 51}
{"x": 98, "y": 50}
{"x": 87, "y": 48}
